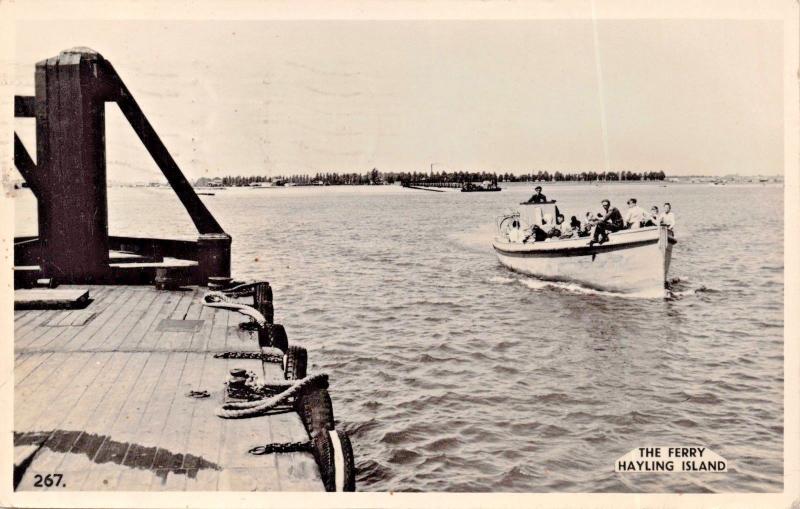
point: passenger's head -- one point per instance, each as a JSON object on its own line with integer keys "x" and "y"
{"x": 573, "y": 221}
{"x": 538, "y": 189}
{"x": 667, "y": 207}
{"x": 559, "y": 219}
{"x": 654, "y": 210}
{"x": 606, "y": 204}
{"x": 632, "y": 202}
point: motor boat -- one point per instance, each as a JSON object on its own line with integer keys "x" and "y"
{"x": 630, "y": 261}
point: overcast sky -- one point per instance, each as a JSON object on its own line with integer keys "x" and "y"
{"x": 269, "y": 97}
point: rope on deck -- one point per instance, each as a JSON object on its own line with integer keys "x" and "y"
{"x": 241, "y": 289}
{"x": 281, "y": 448}
{"x": 263, "y": 357}
{"x": 220, "y": 300}
{"x": 243, "y": 409}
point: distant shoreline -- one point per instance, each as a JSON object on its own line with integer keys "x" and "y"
{"x": 501, "y": 184}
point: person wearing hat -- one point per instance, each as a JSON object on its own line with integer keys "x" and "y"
{"x": 538, "y": 197}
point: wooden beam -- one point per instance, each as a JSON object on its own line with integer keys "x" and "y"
{"x": 71, "y": 167}
{"x": 200, "y": 215}
{"x": 26, "y": 166}
{"x": 24, "y": 106}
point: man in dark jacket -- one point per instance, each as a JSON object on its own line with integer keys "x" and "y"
{"x": 538, "y": 197}
{"x": 610, "y": 222}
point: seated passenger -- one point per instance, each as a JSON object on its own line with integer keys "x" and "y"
{"x": 560, "y": 229}
{"x": 514, "y": 231}
{"x": 635, "y": 215}
{"x": 652, "y": 220}
{"x": 609, "y": 223}
{"x": 537, "y": 234}
{"x": 575, "y": 226}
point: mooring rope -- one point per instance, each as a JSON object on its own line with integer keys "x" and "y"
{"x": 281, "y": 448}
{"x": 241, "y": 289}
{"x": 241, "y": 409}
{"x": 263, "y": 357}
{"x": 219, "y": 300}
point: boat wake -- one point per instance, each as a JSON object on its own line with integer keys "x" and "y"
{"x": 576, "y": 288}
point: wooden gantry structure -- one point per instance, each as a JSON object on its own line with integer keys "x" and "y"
{"x": 69, "y": 182}
{"x": 126, "y": 365}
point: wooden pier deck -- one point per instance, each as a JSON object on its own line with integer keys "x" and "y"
{"x": 100, "y": 398}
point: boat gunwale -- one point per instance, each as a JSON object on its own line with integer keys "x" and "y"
{"x": 548, "y": 249}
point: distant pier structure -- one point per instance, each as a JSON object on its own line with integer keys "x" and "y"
{"x": 139, "y": 363}
{"x": 69, "y": 182}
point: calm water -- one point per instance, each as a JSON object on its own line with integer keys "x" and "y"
{"x": 453, "y": 374}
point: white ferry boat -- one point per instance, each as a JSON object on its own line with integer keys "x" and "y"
{"x": 631, "y": 261}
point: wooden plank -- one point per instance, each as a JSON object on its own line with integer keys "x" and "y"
{"x": 237, "y": 339}
{"x": 51, "y": 298}
{"x": 172, "y": 309}
{"x": 125, "y": 428}
{"x": 205, "y": 438}
{"x": 166, "y": 264}
{"x": 297, "y": 471}
{"x": 33, "y": 395}
{"x": 125, "y": 257}
{"x": 97, "y": 442}
{"x": 148, "y": 299}
{"x": 64, "y": 394}
{"x": 113, "y": 315}
{"x": 181, "y": 340}
{"x": 151, "y": 428}
{"x": 219, "y": 330}
{"x": 69, "y": 416}
{"x": 25, "y": 318}
{"x": 172, "y": 449}
{"x": 130, "y": 311}
{"x": 26, "y": 364}
{"x": 201, "y": 338}
{"x": 240, "y": 468}
{"x": 56, "y": 338}
{"x": 47, "y": 336}
{"x": 156, "y": 309}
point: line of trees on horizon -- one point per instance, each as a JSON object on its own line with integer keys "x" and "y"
{"x": 375, "y": 177}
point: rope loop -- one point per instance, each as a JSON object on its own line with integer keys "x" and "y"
{"x": 219, "y": 300}
{"x": 288, "y": 389}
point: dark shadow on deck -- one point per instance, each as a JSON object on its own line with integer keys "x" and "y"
{"x": 101, "y": 449}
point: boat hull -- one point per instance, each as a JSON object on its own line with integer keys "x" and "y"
{"x": 632, "y": 261}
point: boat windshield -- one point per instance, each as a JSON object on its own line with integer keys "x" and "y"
{"x": 539, "y": 214}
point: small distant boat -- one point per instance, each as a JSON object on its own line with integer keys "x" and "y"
{"x": 484, "y": 187}
{"x": 631, "y": 261}
{"x": 206, "y": 194}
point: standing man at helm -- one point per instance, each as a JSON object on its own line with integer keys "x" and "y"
{"x": 538, "y": 197}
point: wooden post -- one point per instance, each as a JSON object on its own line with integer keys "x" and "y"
{"x": 262, "y": 299}
{"x": 71, "y": 167}
{"x": 213, "y": 256}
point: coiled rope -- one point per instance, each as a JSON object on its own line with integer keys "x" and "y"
{"x": 242, "y": 409}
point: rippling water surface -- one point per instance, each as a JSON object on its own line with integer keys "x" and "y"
{"x": 453, "y": 374}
